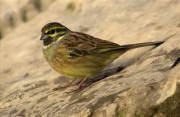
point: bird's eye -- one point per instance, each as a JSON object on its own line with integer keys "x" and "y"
{"x": 51, "y": 32}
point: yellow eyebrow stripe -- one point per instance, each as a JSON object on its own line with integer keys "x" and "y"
{"x": 54, "y": 28}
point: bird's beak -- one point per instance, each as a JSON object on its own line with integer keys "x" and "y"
{"x": 43, "y": 37}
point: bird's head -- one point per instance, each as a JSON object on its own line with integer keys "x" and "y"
{"x": 52, "y": 32}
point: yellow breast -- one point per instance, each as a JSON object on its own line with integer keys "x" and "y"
{"x": 79, "y": 67}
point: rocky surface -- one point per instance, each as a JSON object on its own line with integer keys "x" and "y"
{"x": 146, "y": 87}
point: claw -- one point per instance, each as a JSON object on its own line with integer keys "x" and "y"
{"x": 73, "y": 90}
{"x": 79, "y": 86}
{"x": 67, "y": 85}
{"x": 57, "y": 88}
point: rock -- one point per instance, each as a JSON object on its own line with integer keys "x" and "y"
{"x": 106, "y": 111}
{"x": 147, "y": 86}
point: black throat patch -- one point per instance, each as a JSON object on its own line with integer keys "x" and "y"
{"x": 48, "y": 41}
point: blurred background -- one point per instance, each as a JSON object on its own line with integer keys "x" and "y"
{"x": 16, "y": 12}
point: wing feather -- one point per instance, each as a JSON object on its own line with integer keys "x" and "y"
{"x": 79, "y": 44}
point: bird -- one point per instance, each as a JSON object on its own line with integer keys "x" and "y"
{"x": 80, "y": 55}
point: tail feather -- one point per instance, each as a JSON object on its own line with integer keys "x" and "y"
{"x": 131, "y": 46}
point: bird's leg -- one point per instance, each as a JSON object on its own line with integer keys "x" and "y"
{"x": 67, "y": 85}
{"x": 79, "y": 86}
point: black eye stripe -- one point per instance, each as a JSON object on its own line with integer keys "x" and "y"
{"x": 51, "y": 31}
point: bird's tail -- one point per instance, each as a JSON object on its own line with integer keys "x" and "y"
{"x": 131, "y": 46}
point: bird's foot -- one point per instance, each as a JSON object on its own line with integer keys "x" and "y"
{"x": 73, "y": 90}
{"x": 67, "y": 85}
{"x": 79, "y": 86}
{"x": 62, "y": 87}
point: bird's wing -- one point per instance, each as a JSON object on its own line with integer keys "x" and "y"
{"x": 79, "y": 44}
